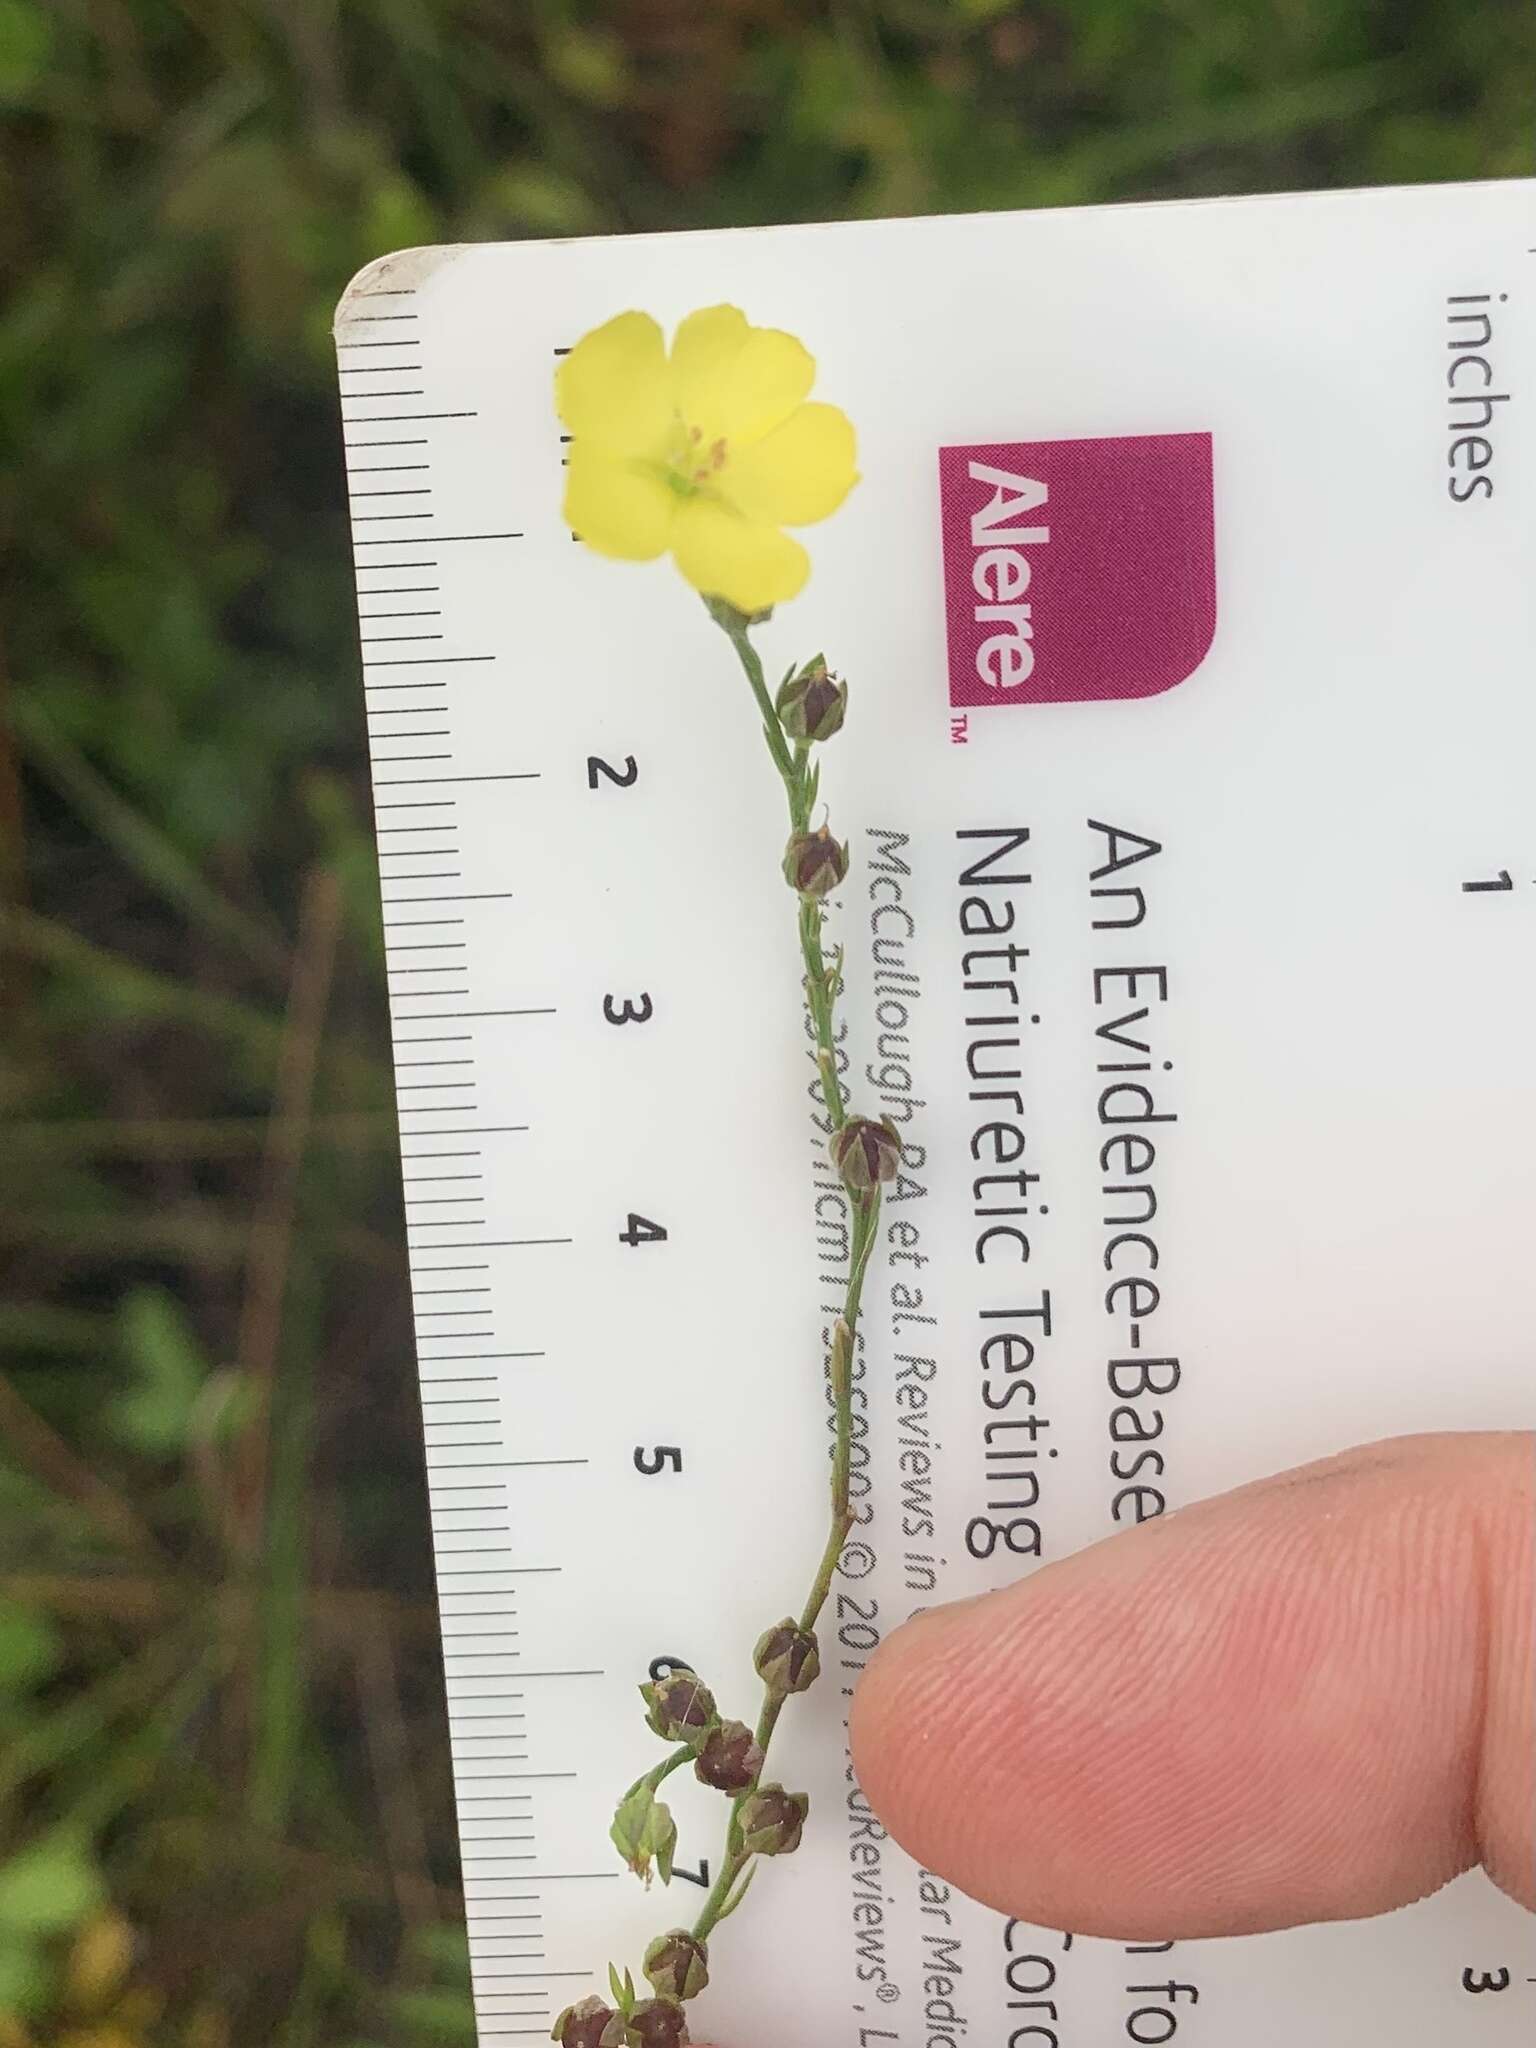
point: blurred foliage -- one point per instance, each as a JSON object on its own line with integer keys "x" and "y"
{"x": 224, "y": 1806}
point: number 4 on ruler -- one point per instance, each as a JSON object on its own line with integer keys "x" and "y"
{"x": 642, "y": 1231}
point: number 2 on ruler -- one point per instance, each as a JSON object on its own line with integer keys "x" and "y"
{"x": 621, "y": 778}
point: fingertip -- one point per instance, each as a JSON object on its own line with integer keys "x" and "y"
{"x": 922, "y": 1683}
{"x": 1266, "y": 1709}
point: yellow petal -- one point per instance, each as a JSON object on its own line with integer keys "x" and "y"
{"x": 800, "y": 472}
{"x": 703, "y": 342}
{"x": 724, "y": 555}
{"x": 618, "y": 507}
{"x": 733, "y": 381}
{"x": 613, "y": 388}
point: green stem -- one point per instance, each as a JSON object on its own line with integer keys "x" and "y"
{"x": 736, "y": 630}
{"x": 820, "y": 987}
{"x": 821, "y": 994}
{"x": 841, "y": 1364}
{"x": 865, "y": 1222}
{"x": 657, "y": 1778}
{"x": 719, "y": 1898}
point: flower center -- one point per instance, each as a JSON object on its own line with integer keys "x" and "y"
{"x": 694, "y": 465}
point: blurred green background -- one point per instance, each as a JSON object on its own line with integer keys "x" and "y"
{"x": 224, "y": 1801}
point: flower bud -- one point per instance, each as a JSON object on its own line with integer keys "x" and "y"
{"x": 811, "y": 705}
{"x": 657, "y": 2023}
{"x": 680, "y": 1708}
{"x": 771, "y": 1821}
{"x": 787, "y": 1659}
{"x": 730, "y": 1759}
{"x": 677, "y": 1965}
{"x": 814, "y": 862}
{"x": 866, "y": 1153}
{"x": 585, "y": 2025}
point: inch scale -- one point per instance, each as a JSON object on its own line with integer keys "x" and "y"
{"x": 441, "y": 944}
{"x": 625, "y": 1243}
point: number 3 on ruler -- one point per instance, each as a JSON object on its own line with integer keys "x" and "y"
{"x": 1479, "y": 1981}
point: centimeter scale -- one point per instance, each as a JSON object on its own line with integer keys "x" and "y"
{"x": 1262, "y": 805}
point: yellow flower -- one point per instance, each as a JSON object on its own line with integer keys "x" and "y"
{"x": 708, "y": 452}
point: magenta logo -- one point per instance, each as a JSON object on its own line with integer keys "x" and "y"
{"x": 1077, "y": 570}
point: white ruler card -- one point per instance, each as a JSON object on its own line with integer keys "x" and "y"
{"x": 1210, "y": 871}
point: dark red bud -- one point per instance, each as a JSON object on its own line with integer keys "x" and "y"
{"x": 812, "y": 704}
{"x": 814, "y": 862}
{"x": 730, "y": 1759}
{"x": 658, "y": 2023}
{"x": 679, "y": 1708}
{"x": 866, "y": 1153}
{"x": 787, "y": 1659}
{"x": 771, "y": 1821}
{"x": 583, "y": 2025}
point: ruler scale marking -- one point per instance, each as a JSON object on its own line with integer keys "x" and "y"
{"x": 467, "y": 1473}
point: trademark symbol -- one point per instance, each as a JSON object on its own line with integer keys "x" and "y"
{"x": 959, "y": 729}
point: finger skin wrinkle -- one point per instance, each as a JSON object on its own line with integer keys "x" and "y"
{"x": 1306, "y": 1700}
{"x": 1506, "y": 1790}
